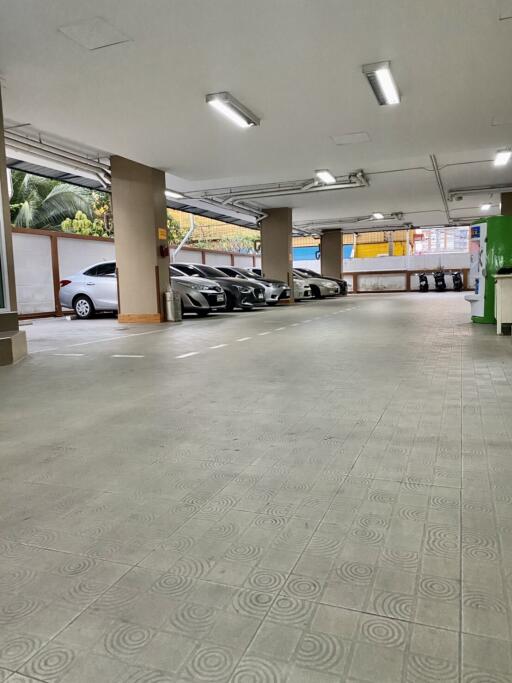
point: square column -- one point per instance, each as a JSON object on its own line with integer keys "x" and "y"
{"x": 276, "y": 246}
{"x": 140, "y": 225}
{"x": 13, "y": 342}
{"x": 506, "y": 204}
{"x": 331, "y": 253}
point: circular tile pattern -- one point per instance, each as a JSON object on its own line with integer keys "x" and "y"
{"x": 16, "y": 649}
{"x": 265, "y": 580}
{"x": 303, "y": 587}
{"x": 438, "y": 588}
{"x": 403, "y": 559}
{"x": 210, "y": 664}
{"x": 319, "y": 651}
{"x": 173, "y": 585}
{"x": 290, "y": 610}
{"x": 76, "y": 566}
{"x": 15, "y": 579}
{"x": 192, "y": 619}
{"x": 370, "y": 536}
{"x": 17, "y": 610}
{"x": 256, "y": 670}
{"x": 381, "y": 497}
{"x": 386, "y": 632}
{"x": 355, "y": 572}
{"x": 269, "y": 522}
{"x": 393, "y": 605}
{"x": 245, "y": 552}
{"x": 442, "y": 541}
{"x": 190, "y": 567}
{"x": 53, "y": 661}
{"x": 324, "y": 546}
{"x": 411, "y": 514}
{"x": 478, "y": 547}
{"x": 484, "y": 677}
{"x": 223, "y": 531}
{"x": 422, "y": 668}
{"x": 252, "y": 603}
{"x": 369, "y": 521}
{"x": 127, "y": 639}
{"x": 477, "y": 599}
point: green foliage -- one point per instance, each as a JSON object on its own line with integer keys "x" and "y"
{"x": 236, "y": 243}
{"x": 81, "y": 224}
{"x": 42, "y": 203}
{"x": 175, "y": 233}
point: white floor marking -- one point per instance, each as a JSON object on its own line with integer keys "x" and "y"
{"x": 120, "y": 336}
{"x": 127, "y": 355}
{"x": 262, "y": 334}
{"x": 278, "y": 329}
{"x": 218, "y": 346}
{"x": 294, "y": 325}
{"x": 187, "y": 355}
{"x": 244, "y": 339}
{"x": 72, "y": 355}
{"x": 306, "y": 321}
{"x": 54, "y": 348}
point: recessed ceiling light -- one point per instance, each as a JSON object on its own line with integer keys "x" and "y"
{"x": 231, "y": 108}
{"x": 502, "y": 157}
{"x": 378, "y": 216}
{"x": 485, "y": 207}
{"x": 94, "y": 33}
{"x": 382, "y": 82}
{"x": 171, "y": 194}
{"x": 325, "y": 176}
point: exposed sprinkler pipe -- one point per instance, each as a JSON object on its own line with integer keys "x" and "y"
{"x": 186, "y": 238}
{"x": 440, "y": 185}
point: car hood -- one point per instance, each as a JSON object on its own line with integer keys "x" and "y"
{"x": 187, "y": 280}
{"x": 319, "y": 281}
{"x": 238, "y": 281}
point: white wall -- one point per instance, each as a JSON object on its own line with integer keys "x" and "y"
{"x": 188, "y": 256}
{"x": 76, "y": 254}
{"x": 243, "y": 261}
{"x": 33, "y": 271}
{"x": 448, "y": 261}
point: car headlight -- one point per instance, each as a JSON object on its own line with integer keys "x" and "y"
{"x": 243, "y": 289}
{"x": 211, "y": 288}
{"x": 198, "y": 288}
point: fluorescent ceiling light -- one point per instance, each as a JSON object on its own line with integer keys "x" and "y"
{"x": 325, "y": 176}
{"x": 378, "y": 216}
{"x": 171, "y": 194}
{"x": 382, "y": 82}
{"x": 502, "y": 157}
{"x": 231, "y": 108}
{"x": 485, "y": 207}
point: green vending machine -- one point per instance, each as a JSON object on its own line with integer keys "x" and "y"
{"x": 490, "y": 251}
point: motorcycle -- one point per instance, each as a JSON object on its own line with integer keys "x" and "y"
{"x": 423, "y": 282}
{"x": 457, "y": 281}
{"x": 439, "y": 281}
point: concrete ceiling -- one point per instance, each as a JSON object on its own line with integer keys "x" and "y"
{"x": 297, "y": 65}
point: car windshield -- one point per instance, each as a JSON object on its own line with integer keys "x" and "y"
{"x": 175, "y": 272}
{"x": 297, "y": 273}
{"x": 310, "y": 272}
{"x": 188, "y": 270}
{"x": 208, "y": 271}
{"x": 231, "y": 272}
{"x": 246, "y": 273}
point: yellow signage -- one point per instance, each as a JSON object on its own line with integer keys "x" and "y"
{"x": 162, "y": 234}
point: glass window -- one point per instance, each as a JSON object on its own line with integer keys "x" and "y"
{"x": 208, "y": 271}
{"x": 188, "y": 270}
{"x": 106, "y": 270}
{"x": 92, "y": 271}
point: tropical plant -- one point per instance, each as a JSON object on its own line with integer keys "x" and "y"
{"x": 175, "y": 233}
{"x": 38, "y": 202}
{"x": 82, "y": 225}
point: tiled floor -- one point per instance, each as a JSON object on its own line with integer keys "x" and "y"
{"x": 330, "y": 501}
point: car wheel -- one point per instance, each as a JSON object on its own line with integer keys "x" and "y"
{"x": 202, "y": 313}
{"x": 315, "y": 292}
{"x": 230, "y": 303}
{"x": 83, "y": 307}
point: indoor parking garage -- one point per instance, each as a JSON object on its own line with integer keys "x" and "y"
{"x": 255, "y": 341}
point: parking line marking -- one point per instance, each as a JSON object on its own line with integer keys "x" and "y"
{"x": 72, "y": 355}
{"x": 120, "y": 336}
{"x": 294, "y": 325}
{"x": 187, "y": 355}
{"x": 262, "y": 334}
{"x": 54, "y": 348}
{"x": 127, "y": 355}
{"x": 218, "y": 346}
{"x": 244, "y": 339}
{"x": 278, "y": 329}
{"x": 306, "y": 321}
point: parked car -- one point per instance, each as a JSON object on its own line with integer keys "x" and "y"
{"x": 320, "y": 287}
{"x": 301, "y": 289}
{"x": 275, "y": 290}
{"x": 239, "y": 294}
{"x": 94, "y": 289}
{"x": 342, "y": 284}
{"x": 198, "y": 295}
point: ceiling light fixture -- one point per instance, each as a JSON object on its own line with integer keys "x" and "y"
{"x": 378, "y": 216}
{"x": 485, "y": 207}
{"x": 325, "y": 177}
{"x": 382, "y": 82}
{"x": 231, "y": 108}
{"x": 502, "y": 157}
{"x": 171, "y": 194}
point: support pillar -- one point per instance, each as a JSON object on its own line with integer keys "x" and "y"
{"x": 13, "y": 342}
{"x": 331, "y": 253}
{"x": 506, "y": 204}
{"x": 140, "y": 224}
{"x": 276, "y": 246}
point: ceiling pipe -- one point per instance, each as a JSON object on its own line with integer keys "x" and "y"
{"x": 484, "y": 189}
{"x": 440, "y": 185}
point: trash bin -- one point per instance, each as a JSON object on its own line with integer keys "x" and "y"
{"x": 172, "y": 306}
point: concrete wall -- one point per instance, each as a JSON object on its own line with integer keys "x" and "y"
{"x": 75, "y": 255}
{"x": 34, "y": 277}
{"x": 448, "y": 261}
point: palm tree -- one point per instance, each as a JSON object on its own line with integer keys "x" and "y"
{"x": 38, "y": 202}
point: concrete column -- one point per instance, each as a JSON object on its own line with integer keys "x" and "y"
{"x": 506, "y": 204}
{"x": 276, "y": 246}
{"x": 13, "y": 343}
{"x": 331, "y": 253}
{"x": 140, "y": 225}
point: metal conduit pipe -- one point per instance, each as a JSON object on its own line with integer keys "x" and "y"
{"x": 440, "y": 185}
{"x": 285, "y": 193}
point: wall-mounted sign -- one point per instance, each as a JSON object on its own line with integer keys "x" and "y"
{"x": 162, "y": 234}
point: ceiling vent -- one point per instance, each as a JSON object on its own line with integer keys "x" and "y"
{"x": 94, "y": 34}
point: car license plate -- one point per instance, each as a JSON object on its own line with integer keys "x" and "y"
{"x": 260, "y": 295}
{"x": 220, "y": 297}
{"x": 287, "y": 292}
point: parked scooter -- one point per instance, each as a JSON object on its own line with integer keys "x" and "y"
{"x": 439, "y": 281}
{"x": 423, "y": 282}
{"x": 457, "y": 281}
